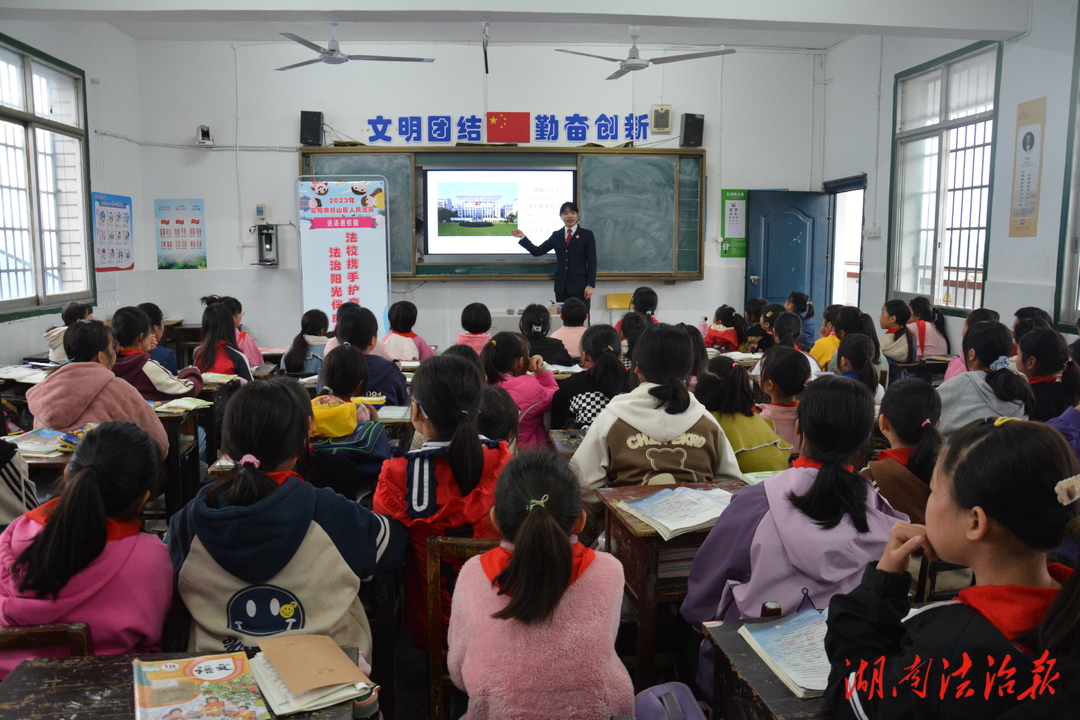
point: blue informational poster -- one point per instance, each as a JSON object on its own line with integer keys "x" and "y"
{"x": 181, "y": 234}
{"x": 113, "y": 245}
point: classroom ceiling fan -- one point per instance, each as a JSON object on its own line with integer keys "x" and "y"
{"x": 332, "y": 55}
{"x": 635, "y": 62}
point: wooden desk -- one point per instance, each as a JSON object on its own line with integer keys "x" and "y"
{"x": 744, "y": 688}
{"x": 566, "y": 442}
{"x": 98, "y": 688}
{"x": 637, "y": 546}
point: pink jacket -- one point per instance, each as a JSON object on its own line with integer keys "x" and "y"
{"x": 85, "y": 392}
{"x": 514, "y": 671}
{"x": 476, "y": 342}
{"x": 532, "y": 394}
{"x": 124, "y": 594}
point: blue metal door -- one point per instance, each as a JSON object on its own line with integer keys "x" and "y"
{"x": 787, "y": 245}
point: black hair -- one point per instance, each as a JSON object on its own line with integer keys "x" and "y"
{"x": 537, "y": 503}
{"x": 357, "y": 327}
{"x": 729, "y": 317}
{"x": 923, "y": 309}
{"x": 982, "y": 315}
{"x": 476, "y": 318}
{"x": 84, "y": 339}
{"x": 265, "y": 420}
{"x": 603, "y": 346}
{"x": 217, "y": 326}
{"x": 535, "y": 322}
{"x": 314, "y": 322}
{"x": 859, "y": 351}
{"x": 467, "y": 352}
{"x": 234, "y": 305}
{"x": 787, "y": 368}
{"x": 501, "y": 353}
{"x": 754, "y": 307}
{"x": 725, "y": 388}
{"x": 851, "y": 320}
{"x": 913, "y": 409}
{"x": 632, "y": 325}
{"x": 1036, "y": 313}
{"x": 992, "y": 342}
{"x": 344, "y": 372}
{"x": 664, "y": 355}
{"x": 402, "y": 316}
{"x": 75, "y": 311}
{"x": 769, "y": 314}
{"x": 900, "y": 310}
{"x": 447, "y": 389}
{"x": 569, "y": 206}
{"x": 574, "y": 312}
{"x": 644, "y": 300}
{"x": 801, "y": 302}
{"x": 1052, "y": 357}
{"x": 498, "y": 418}
{"x": 698, "y": 352}
{"x": 129, "y": 324}
{"x": 1024, "y": 326}
{"x": 835, "y": 415}
{"x": 787, "y": 329}
{"x": 157, "y": 318}
{"x": 111, "y": 468}
{"x": 1011, "y": 471}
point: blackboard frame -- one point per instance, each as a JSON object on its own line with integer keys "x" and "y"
{"x": 683, "y": 248}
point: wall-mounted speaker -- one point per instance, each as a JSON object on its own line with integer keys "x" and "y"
{"x": 311, "y": 128}
{"x": 692, "y": 128}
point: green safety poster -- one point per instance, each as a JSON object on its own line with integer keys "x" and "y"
{"x": 733, "y": 225}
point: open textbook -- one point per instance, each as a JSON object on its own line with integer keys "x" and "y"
{"x": 794, "y": 648}
{"x": 682, "y": 510}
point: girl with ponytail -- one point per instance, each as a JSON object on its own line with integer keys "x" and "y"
{"x": 1003, "y": 496}
{"x": 658, "y": 432}
{"x": 82, "y": 557}
{"x": 508, "y": 364}
{"x": 989, "y": 388}
{"x": 801, "y": 536}
{"x": 447, "y": 486}
{"x": 517, "y": 607}
{"x": 1043, "y": 357}
{"x": 308, "y": 348}
{"x": 897, "y": 343}
{"x": 582, "y": 396}
{"x": 910, "y": 410}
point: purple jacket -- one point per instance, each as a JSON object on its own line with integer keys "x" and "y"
{"x": 762, "y": 549}
{"x": 1068, "y": 424}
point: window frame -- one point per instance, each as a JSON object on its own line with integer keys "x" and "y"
{"x": 1068, "y": 263}
{"x": 939, "y": 130}
{"x": 41, "y": 303}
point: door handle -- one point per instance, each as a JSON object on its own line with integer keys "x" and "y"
{"x": 755, "y": 279}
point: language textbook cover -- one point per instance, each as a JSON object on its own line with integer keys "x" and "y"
{"x": 210, "y": 686}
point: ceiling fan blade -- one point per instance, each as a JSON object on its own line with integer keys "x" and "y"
{"x": 601, "y": 57}
{"x": 300, "y": 64}
{"x": 389, "y": 58}
{"x": 618, "y": 74}
{"x": 305, "y": 43}
{"x": 690, "y": 56}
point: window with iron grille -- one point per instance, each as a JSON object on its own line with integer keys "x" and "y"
{"x": 942, "y": 168}
{"x": 44, "y": 183}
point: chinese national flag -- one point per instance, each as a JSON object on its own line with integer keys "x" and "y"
{"x": 508, "y": 127}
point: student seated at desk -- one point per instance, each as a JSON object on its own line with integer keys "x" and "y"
{"x": 218, "y": 352}
{"x": 134, "y": 338}
{"x": 802, "y": 535}
{"x": 447, "y": 487}
{"x": 359, "y": 328}
{"x": 86, "y": 390}
{"x": 532, "y": 630}
{"x": 266, "y": 536}
{"x": 18, "y": 494}
{"x": 83, "y": 558}
{"x": 1003, "y": 496}
{"x": 584, "y": 395}
{"x": 54, "y": 336}
{"x": 658, "y": 432}
{"x": 308, "y": 348}
{"x": 160, "y": 354}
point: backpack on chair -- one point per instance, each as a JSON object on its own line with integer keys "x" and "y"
{"x": 670, "y": 701}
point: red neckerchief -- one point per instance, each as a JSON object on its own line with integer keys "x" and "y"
{"x": 805, "y": 462}
{"x": 921, "y": 326}
{"x": 496, "y": 560}
{"x": 900, "y": 455}
{"x": 115, "y": 528}
{"x": 1043, "y": 379}
{"x": 408, "y": 334}
{"x": 281, "y": 477}
{"x": 123, "y": 353}
{"x": 1014, "y": 609}
{"x": 794, "y": 404}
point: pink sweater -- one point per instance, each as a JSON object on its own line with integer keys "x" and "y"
{"x": 85, "y": 392}
{"x": 124, "y": 594}
{"x": 532, "y": 394}
{"x": 514, "y": 671}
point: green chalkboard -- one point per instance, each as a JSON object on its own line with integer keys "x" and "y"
{"x": 398, "y": 171}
